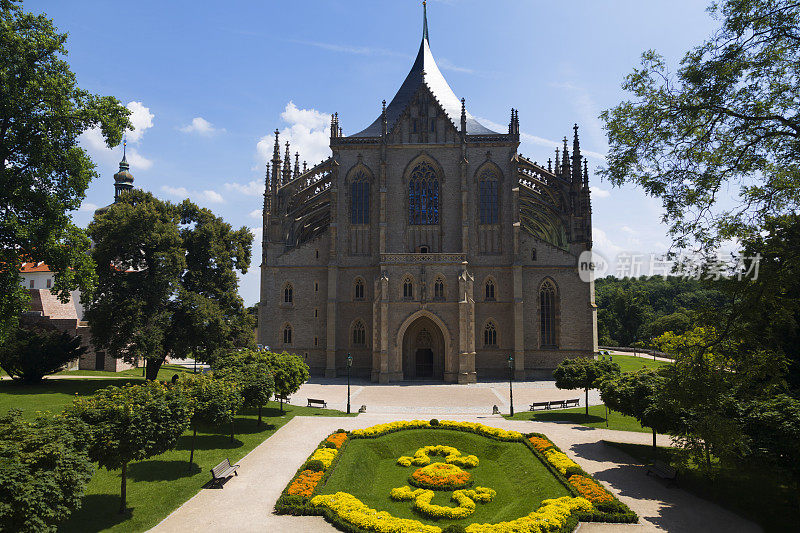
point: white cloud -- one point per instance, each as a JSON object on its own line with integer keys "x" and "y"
{"x": 201, "y": 126}
{"x": 308, "y": 133}
{"x": 253, "y": 188}
{"x": 446, "y": 64}
{"x": 533, "y": 139}
{"x": 349, "y": 49}
{"x": 628, "y": 229}
{"x": 588, "y": 112}
{"x": 142, "y": 119}
{"x": 211, "y": 197}
{"x": 256, "y": 213}
{"x": 597, "y": 192}
{"x": 89, "y": 206}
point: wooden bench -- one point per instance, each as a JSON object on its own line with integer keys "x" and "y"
{"x": 664, "y": 471}
{"x": 543, "y": 405}
{"x": 572, "y": 403}
{"x": 284, "y": 399}
{"x": 556, "y": 403}
{"x": 223, "y": 471}
{"x": 317, "y": 403}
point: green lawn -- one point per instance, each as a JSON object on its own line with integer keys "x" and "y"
{"x": 164, "y": 373}
{"x": 597, "y": 418}
{"x": 630, "y": 363}
{"x": 368, "y": 470}
{"x": 157, "y": 485}
{"x": 755, "y": 493}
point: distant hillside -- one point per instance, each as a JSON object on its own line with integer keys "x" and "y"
{"x": 640, "y": 309}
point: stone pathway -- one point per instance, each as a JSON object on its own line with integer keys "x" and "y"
{"x": 246, "y": 502}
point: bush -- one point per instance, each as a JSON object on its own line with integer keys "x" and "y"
{"x": 434, "y": 422}
{"x": 315, "y": 465}
{"x": 455, "y": 528}
{"x": 32, "y": 354}
{"x": 329, "y": 444}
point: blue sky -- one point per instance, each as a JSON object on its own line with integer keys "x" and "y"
{"x": 209, "y": 82}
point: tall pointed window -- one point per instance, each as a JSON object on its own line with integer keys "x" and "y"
{"x": 288, "y": 294}
{"x": 408, "y": 289}
{"x": 489, "y": 290}
{"x": 358, "y": 289}
{"x": 359, "y": 199}
{"x": 438, "y": 289}
{"x": 287, "y": 334}
{"x": 490, "y": 335}
{"x": 423, "y": 195}
{"x": 359, "y": 334}
{"x": 547, "y": 313}
{"x": 489, "y": 206}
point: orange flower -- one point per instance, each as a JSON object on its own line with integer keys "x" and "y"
{"x": 540, "y": 444}
{"x": 440, "y": 476}
{"x": 337, "y": 439}
{"x": 590, "y": 489}
{"x": 305, "y": 483}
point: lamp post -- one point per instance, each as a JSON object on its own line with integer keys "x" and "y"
{"x": 510, "y": 379}
{"x": 349, "y": 366}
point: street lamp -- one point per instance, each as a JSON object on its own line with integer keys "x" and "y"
{"x": 349, "y": 366}
{"x": 510, "y": 379}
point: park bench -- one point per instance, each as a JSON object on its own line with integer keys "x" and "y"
{"x": 572, "y": 403}
{"x": 556, "y": 403}
{"x": 664, "y": 471}
{"x": 317, "y": 403}
{"x": 543, "y": 405}
{"x": 284, "y": 399}
{"x": 223, "y": 471}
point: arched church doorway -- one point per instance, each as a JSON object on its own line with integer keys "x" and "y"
{"x": 423, "y": 350}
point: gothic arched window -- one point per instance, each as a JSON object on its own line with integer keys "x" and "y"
{"x": 288, "y": 294}
{"x": 287, "y": 334}
{"x": 547, "y": 313}
{"x": 358, "y": 289}
{"x": 438, "y": 289}
{"x": 490, "y": 335}
{"x": 359, "y": 199}
{"x": 489, "y": 289}
{"x": 408, "y": 288}
{"x": 488, "y": 201}
{"x": 423, "y": 195}
{"x": 359, "y": 334}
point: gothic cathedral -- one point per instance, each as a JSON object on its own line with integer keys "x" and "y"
{"x": 427, "y": 248}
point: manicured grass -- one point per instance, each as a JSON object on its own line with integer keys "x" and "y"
{"x": 368, "y": 471}
{"x": 597, "y": 418}
{"x": 630, "y": 363}
{"x": 158, "y": 485}
{"x": 164, "y": 373}
{"x": 755, "y": 493}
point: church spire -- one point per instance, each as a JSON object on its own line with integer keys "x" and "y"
{"x": 425, "y": 21}
{"x": 123, "y": 179}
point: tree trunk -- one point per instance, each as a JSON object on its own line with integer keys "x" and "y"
{"x": 232, "y": 429}
{"x": 587, "y": 403}
{"x": 259, "y": 414}
{"x": 191, "y": 454}
{"x": 708, "y": 456}
{"x": 123, "y": 493}
{"x": 281, "y": 400}
{"x": 152, "y": 368}
{"x": 654, "y": 439}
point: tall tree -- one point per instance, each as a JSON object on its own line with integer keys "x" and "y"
{"x": 167, "y": 282}
{"x": 131, "y": 423}
{"x": 584, "y": 373}
{"x": 43, "y": 172}
{"x": 251, "y": 371}
{"x": 289, "y": 372}
{"x": 728, "y": 118}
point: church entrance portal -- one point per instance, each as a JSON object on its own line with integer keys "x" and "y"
{"x": 423, "y": 351}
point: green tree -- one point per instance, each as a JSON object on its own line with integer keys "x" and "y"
{"x": 214, "y": 402}
{"x": 289, "y": 372}
{"x": 167, "y": 282}
{"x": 44, "y": 470}
{"x": 639, "y": 394}
{"x": 43, "y": 172}
{"x": 584, "y": 373}
{"x": 131, "y": 423}
{"x": 727, "y": 118}
{"x": 250, "y": 369}
{"x": 32, "y": 354}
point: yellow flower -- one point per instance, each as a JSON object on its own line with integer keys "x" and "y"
{"x": 351, "y": 510}
{"x": 551, "y": 516}
{"x": 559, "y": 460}
{"x": 325, "y": 455}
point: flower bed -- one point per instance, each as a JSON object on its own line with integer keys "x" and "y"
{"x": 305, "y": 494}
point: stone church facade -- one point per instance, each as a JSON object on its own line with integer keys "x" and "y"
{"x": 427, "y": 247}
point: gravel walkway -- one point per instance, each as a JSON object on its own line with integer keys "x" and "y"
{"x": 246, "y": 502}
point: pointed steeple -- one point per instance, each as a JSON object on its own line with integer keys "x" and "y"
{"x": 276, "y": 163}
{"x": 558, "y": 163}
{"x": 576, "y": 157}
{"x": 565, "y": 167}
{"x": 123, "y": 179}
{"x": 287, "y": 165}
{"x": 296, "y": 164}
{"x": 425, "y": 20}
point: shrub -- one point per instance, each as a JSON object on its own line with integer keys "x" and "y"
{"x": 329, "y": 444}
{"x": 434, "y": 422}
{"x": 315, "y": 465}
{"x": 32, "y": 354}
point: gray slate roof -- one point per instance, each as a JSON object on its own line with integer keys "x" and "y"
{"x": 425, "y": 71}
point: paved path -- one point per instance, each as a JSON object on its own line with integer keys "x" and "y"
{"x": 246, "y": 502}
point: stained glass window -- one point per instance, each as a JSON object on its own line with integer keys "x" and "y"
{"x": 490, "y": 335}
{"x": 438, "y": 289}
{"x": 287, "y": 334}
{"x": 359, "y": 200}
{"x": 489, "y": 207}
{"x": 547, "y": 301}
{"x": 288, "y": 294}
{"x": 423, "y": 195}
{"x": 359, "y": 289}
{"x": 490, "y": 290}
{"x": 359, "y": 334}
{"x": 408, "y": 288}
